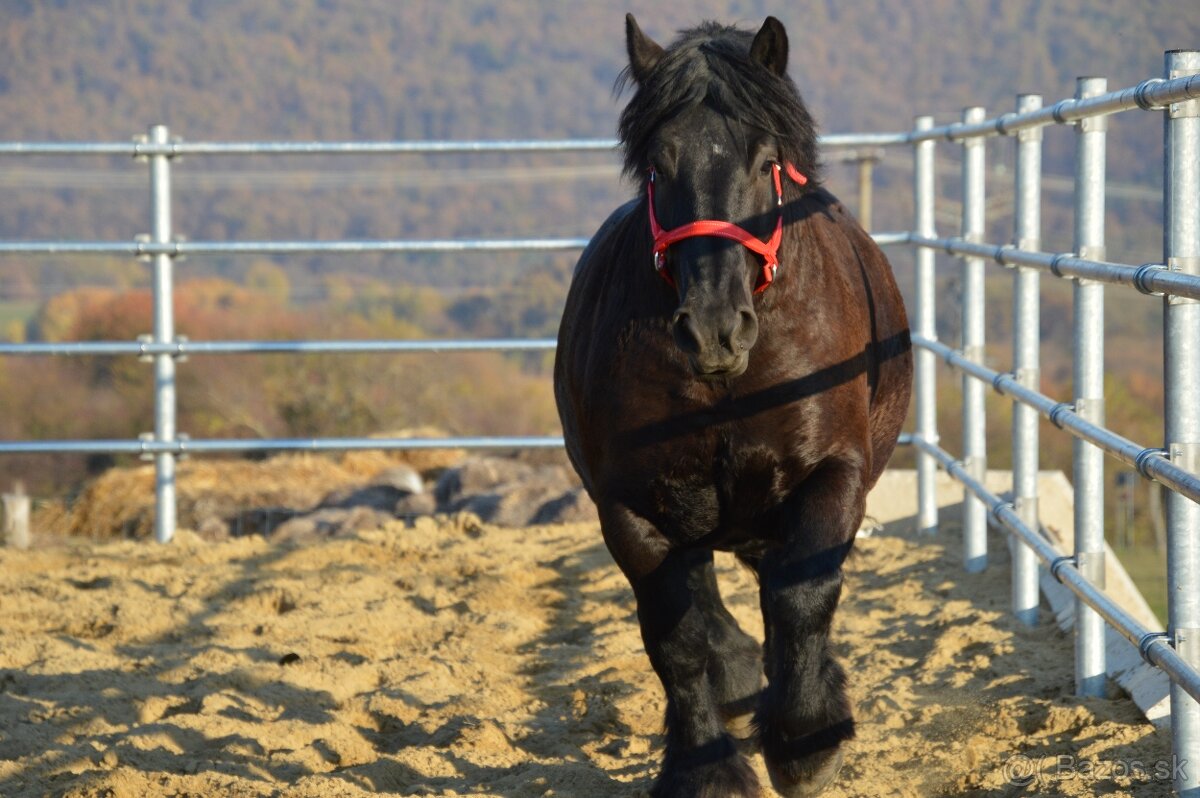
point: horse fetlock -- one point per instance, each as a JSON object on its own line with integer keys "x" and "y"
{"x": 717, "y": 771}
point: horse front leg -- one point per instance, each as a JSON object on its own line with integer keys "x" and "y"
{"x": 701, "y": 760}
{"x": 804, "y": 716}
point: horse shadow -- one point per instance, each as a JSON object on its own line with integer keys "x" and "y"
{"x": 75, "y": 728}
{"x": 567, "y": 744}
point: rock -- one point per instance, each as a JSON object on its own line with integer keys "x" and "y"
{"x": 414, "y": 505}
{"x": 501, "y": 491}
{"x": 331, "y": 522}
{"x": 574, "y": 506}
{"x": 478, "y": 475}
{"x": 401, "y": 477}
{"x": 260, "y": 520}
{"x": 375, "y": 497}
{"x": 519, "y": 506}
{"x": 212, "y": 529}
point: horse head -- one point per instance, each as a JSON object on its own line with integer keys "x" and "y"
{"x": 714, "y": 170}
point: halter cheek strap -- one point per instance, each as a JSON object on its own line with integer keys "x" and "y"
{"x": 768, "y": 250}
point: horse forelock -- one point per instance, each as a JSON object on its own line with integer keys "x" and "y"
{"x": 711, "y": 64}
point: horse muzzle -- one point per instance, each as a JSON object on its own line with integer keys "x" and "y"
{"x": 717, "y": 343}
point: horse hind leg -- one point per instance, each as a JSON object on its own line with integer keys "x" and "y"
{"x": 702, "y": 760}
{"x": 735, "y": 663}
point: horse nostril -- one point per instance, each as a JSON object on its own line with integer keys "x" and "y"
{"x": 743, "y": 332}
{"x": 687, "y": 335}
{"x": 747, "y": 331}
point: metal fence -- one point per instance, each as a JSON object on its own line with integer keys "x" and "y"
{"x": 1175, "y": 464}
{"x": 165, "y": 348}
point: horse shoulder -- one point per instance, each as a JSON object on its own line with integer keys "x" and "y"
{"x": 601, "y": 239}
{"x": 585, "y": 313}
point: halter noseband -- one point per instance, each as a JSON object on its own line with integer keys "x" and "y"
{"x": 769, "y": 249}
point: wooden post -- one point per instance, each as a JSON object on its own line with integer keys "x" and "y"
{"x": 866, "y": 168}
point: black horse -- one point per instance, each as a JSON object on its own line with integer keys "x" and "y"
{"x": 733, "y": 370}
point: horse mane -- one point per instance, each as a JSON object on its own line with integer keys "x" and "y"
{"x": 711, "y": 64}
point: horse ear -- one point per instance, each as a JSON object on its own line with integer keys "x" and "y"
{"x": 644, "y": 52}
{"x": 770, "y": 47}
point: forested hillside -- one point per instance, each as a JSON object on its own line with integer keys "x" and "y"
{"x": 500, "y": 68}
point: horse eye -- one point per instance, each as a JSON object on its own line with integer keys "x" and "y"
{"x": 768, "y": 165}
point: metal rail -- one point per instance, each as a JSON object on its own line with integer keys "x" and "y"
{"x": 182, "y": 348}
{"x": 184, "y": 248}
{"x": 1149, "y": 278}
{"x": 145, "y": 146}
{"x": 1149, "y": 95}
{"x": 179, "y": 445}
{"x": 1150, "y": 462}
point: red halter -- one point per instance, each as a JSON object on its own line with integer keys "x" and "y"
{"x": 769, "y": 249}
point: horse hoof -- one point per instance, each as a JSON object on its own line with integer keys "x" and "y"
{"x": 807, "y": 778}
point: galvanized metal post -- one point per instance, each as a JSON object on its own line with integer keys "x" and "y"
{"x": 1090, "y": 674}
{"x": 1026, "y": 363}
{"x": 973, "y": 420}
{"x": 1181, "y": 355}
{"x": 924, "y": 325}
{"x": 163, "y": 332}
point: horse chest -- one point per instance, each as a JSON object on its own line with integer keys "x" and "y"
{"x": 723, "y": 495}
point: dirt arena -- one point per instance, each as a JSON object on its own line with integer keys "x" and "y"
{"x": 458, "y": 658}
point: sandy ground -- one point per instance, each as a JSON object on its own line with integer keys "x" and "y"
{"x": 455, "y": 658}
